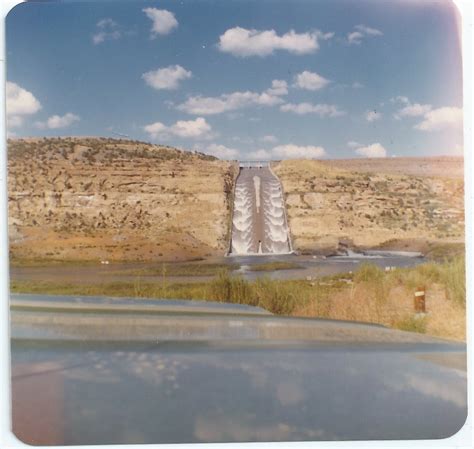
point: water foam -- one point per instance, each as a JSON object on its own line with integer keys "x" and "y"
{"x": 259, "y": 222}
{"x": 242, "y": 222}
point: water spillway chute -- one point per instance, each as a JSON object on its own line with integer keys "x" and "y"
{"x": 259, "y": 224}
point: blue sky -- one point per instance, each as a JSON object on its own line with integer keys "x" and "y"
{"x": 241, "y": 79}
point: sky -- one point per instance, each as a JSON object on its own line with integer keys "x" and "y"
{"x": 241, "y": 79}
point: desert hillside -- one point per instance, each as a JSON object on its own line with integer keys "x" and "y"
{"x": 441, "y": 166}
{"x": 108, "y": 199}
{"x": 368, "y": 202}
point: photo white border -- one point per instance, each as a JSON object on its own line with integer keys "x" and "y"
{"x": 462, "y": 439}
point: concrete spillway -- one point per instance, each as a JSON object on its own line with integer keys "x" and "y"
{"x": 259, "y": 224}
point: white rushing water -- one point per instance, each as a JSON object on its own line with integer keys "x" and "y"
{"x": 276, "y": 231}
{"x": 259, "y": 222}
{"x": 242, "y": 223}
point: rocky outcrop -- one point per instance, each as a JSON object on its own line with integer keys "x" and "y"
{"x": 329, "y": 206}
{"x": 99, "y": 198}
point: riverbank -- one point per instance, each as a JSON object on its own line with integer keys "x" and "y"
{"x": 368, "y": 294}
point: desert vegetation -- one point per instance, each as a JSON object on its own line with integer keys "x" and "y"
{"x": 368, "y": 294}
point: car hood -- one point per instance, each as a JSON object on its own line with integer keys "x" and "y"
{"x": 122, "y": 371}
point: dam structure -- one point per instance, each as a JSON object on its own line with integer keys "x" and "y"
{"x": 259, "y": 222}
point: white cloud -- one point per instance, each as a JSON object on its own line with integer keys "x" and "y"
{"x": 57, "y": 121}
{"x": 368, "y": 31}
{"x": 433, "y": 119}
{"x": 20, "y": 101}
{"x": 107, "y": 30}
{"x": 200, "y": 105}
{"x": 269, "y": 139}
{"x": 323, "y": 110}
{"x": 163, "y": 20}
{"x": 360, "y": 31}
{"x": 355, "y": 37}
{"x": 354, "y": 144}
{"x": 441, "y": 118}
{"x": 243, "y": 42}
{"x": 291, "y": 151}
{"x": 288, "y": 151}
{"x": 243, "y": 139}
{"x": 310, "y": 80}
{"x": 357, "y": 85}
{"x": 156, "y": 130}
{"x": 372, "y": 116}
{"x": 167, "y": 77}
{"x": 400, "y": 99}
{"x": 259, "y": 155}
{"x": 107, "y": 22}
{"x": 185, "y": 129}
{"x": 222, "y": 152}
{"x": 279, "y": 87}
{"x": 14, "y": 121}
{"x": 413, "y": 110}
{"x": 374, "y": 150}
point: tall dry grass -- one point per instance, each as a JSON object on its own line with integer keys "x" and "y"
{"x": 369, "y": 295}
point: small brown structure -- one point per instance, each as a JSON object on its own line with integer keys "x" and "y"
{"x": 420, "y": 303}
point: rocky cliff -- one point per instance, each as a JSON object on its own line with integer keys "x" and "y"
{"x": 367, "y": 203}
{"x": 107, "y": 199}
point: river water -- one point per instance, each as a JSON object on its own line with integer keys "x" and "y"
{"x": 308, "y": 267}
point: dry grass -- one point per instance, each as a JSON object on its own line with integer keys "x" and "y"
{"x": 388, "y": 298}
{"x": 368, "y": 295}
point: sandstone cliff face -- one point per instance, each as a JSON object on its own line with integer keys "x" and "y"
{"x": 98, "y": 198}
{"x": 328, "y": 205}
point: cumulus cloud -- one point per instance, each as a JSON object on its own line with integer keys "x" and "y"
{"x": 200, "y": 105}
{"x": 360, "y": 32}
{"x": 433, "y": 119}
{"x": 323, "y": 110}
{"x": 185, "y": 129}
{"x": 222, "y": 152}
{"x": 244, "y": 42}
{"x": 19, "y": 103}
{"x": 372, "y": 116}
{"x": 409, "y": 109}
{"x": 279, "y": 88}
{"x": 413, "y": 110}
{"x": 310, "y": 81}
{"x": 167, "y": 77}
{"x": 269, "y": 139}
{"x": 441, "y": 118}
{"x": 163, "y": 21}
{"x": 58, "y": 121}
{"x": 106, "y": 30}
{"x": 374, "y": 150}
